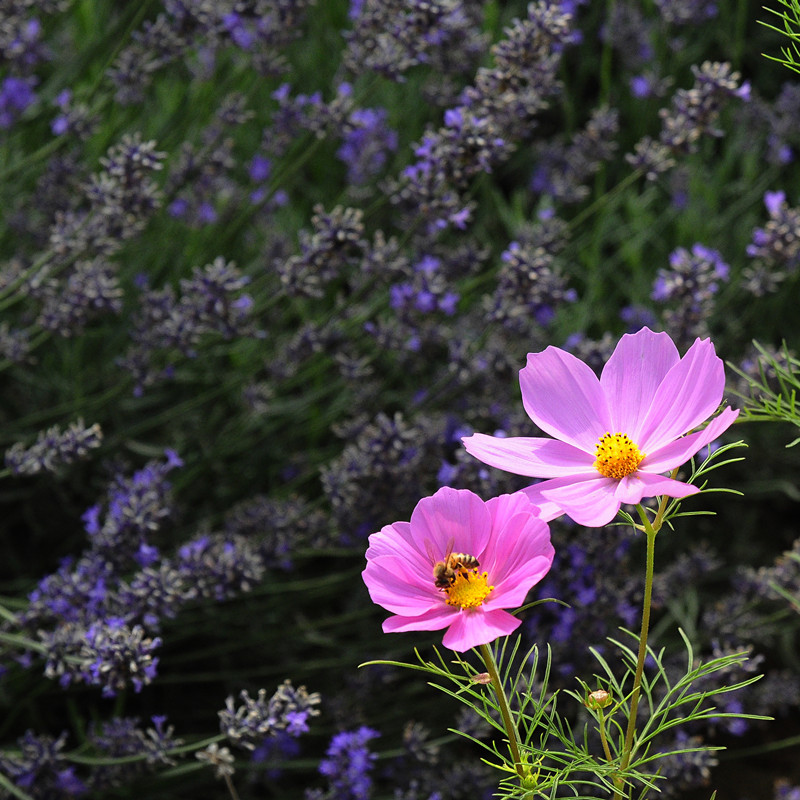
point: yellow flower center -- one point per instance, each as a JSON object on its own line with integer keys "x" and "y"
{"x": 617, "y": 456}
{"x": 469, "y": 589}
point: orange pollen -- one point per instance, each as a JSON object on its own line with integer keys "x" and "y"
{"x": 617, "y": 456}
{"x": 469, "y": 589}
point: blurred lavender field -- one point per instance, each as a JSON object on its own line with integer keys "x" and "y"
{"x": 263, "y": 263}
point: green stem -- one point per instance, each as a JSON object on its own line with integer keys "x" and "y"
{"x": 505, "y": 711}
{"x": 627, "y": 749}
{"x": 603, "y": 737}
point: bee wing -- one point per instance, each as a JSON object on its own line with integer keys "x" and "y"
{"x": 432, "y": 555}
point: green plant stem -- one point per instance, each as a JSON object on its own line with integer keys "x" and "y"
{"x": 505, "y": 711}
{"x": 603, "y": 737}
{"x": 627, "y": 749}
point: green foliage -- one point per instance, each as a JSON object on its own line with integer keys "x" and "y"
{"x": 789, "y": 26}
{"x": 567, "y": 746}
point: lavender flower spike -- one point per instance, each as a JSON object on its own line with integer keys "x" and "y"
{"x": 53, "y": 449}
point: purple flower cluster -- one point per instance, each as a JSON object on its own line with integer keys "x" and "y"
{"x": 382, "y": 468}
{"x": 335, "y": 244}
{"x": 367, "y": 141}
{"x": 40, "y": 769}
{"x": 493, "y": 113}
{"x": 427, "y": 291}
{"x": 211, "y": 302}
{"x": 687, "y": 12}
{"x": 775, "y": 248}
{"x": 390, "y": 37}
{"x": 287, "y": 710}
{"x": 122, "y": 737}
{"x": 530, "y": 286}
{"x": 347, "y": 766}
{"x": 16, "y": 94}
{"x": 693, "y": 115}
{"x": 201, "y": 181}
{"x": 54, "y": 449}
{"x": 688, "y": 289}
{"x": 257, "y": 30}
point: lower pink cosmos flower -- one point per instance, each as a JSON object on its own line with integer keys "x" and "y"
{"x": 616, "y": 436}
{"x": 457, "y": 564}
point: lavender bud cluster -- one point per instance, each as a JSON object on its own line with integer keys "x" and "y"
{"x": 288, "y": 709}
{"x": 775, "y": 248}
{"x": 689, "y": 288}
{"x": 211, "y": 302}
{"x": 694, "y": 113}
{"x": 54, "y": 449}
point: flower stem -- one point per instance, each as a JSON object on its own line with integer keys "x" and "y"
{"x": 603, "y": 737}
{"x": 505, "y": 711}
{"x": 650, "y": 531}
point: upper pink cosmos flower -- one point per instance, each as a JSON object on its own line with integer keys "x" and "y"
{"x": 457, "y": 564}
{"x": 616, "y": 436}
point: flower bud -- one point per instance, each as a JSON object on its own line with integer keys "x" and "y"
{"x": 598, "y": 699}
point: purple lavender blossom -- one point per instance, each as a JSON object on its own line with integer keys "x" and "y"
{"x": 530, "y": 286}
{"x": 687, "y": 12}
{"x": 21, "y": 45}
{"x": 775, "y": 248}
{"x": 211, "y": 302}
{"x": 564, "y": 170}
{"x": 392, "y": 36}
{"x": 108, "y": 654}
{"x": 83, "y": 293}
{"x": 120, "y": 737}
{"x": 493, "y": 113}
{"x": 40, "y": 770}
{"x": 326, "y": 253}
{"x": 693, "y": 114}
{"x": 16, "y": 95}
{"x": 73, "y": 119}
{"x": 54, "y": 449}
{"x": 287, "y": 710}
{"x": 348, "y": 763}
{"x": 218, "y": 567}
{"x": 135, "y": 509}
{"x": 366, "y": 143}
{"x": 689, "y": 287}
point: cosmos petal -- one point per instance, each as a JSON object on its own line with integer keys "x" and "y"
{"x": 475, "y": 627}
{"x": 534, "y": 457}
{"x": 690, "y": 393}
{"x": 632, "y": 375}
{"x": 388, "y": 540}
{"x": 681, "y": 450}
{"x": 587, "y": 500}
{"x": 395, "y": 588}
{"x": 642, "y": 484}
{"x": 564, "y": 398}
{"x": 521, "y": 556}
{"x": 433, "y": 620}
{"x": 455, "y": 516}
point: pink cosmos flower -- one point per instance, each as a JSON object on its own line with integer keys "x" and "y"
{"x": 457, "y": 564}
{"x": 616, "y": 436}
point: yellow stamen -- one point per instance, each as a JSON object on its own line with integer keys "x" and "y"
{"x": 469, "y": 589}
{"x": 617, "y": 456}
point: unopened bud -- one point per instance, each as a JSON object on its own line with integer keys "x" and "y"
{"x": 482, "y": 677}
{"x": 597, "y": 699}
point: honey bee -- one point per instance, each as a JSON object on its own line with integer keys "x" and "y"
{"x": 445, "y": 571}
